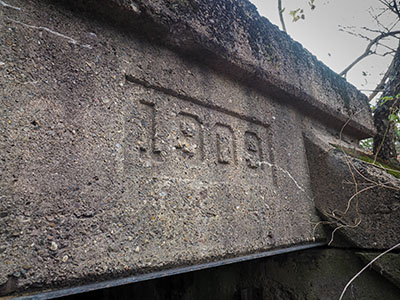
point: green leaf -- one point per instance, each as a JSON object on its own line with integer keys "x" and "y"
{"x": 392, "y": 117}
{"x": 294, "y": 12}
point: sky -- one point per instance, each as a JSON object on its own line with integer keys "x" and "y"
{"x": 319, "y": 33}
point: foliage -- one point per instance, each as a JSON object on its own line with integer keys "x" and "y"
{"x": 367, "y": 144}
{"x": 394, "y": 110}
{"x": 298, "y": 14}
{"x": 394, "y": 117}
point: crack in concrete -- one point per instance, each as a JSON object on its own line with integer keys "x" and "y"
{"x": 71, "y": 40}
{"x": 285, "y": 172}
{"x": 9, "y": 6}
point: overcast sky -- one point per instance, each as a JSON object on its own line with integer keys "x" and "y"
{"x": 319, "y": 33}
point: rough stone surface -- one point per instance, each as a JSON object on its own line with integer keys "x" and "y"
{"x": 230, "y": 36}
{"x": 123, "y": 153}
{"x": 365, "y": 208}
{"x": 307, "y": 275}
{"x": 388, "y": 265}
{"x": 323, "y": 274}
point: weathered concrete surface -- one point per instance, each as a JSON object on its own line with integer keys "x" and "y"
{"x": 307, "y": 275}
{"x": 232, "y": 37}
{"x": 388, "y": 265}
{"x": 364, "y": 203}
{"x": 323, "y": 274}
{"x": 122, "y": 156}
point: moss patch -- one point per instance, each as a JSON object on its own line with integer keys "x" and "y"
{"x": 390, "y": 168}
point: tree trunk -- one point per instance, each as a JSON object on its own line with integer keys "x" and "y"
{"x": 384, "y": 141}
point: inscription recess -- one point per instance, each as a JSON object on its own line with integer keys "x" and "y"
{"x": 165, "y": 130}
{"x": 190, "y": 136}
{"x": 189, "y": 139}
{"x": 226, "y": 148}
{"x": 147, "y": 138}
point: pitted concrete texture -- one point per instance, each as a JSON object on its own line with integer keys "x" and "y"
{"x": 363, "y": 203}
{"x": 123, "y": 153}
{"x": 230, "y": 36}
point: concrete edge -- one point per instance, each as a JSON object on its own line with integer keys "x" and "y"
{"x": 160, "y": 274}
{"x": 263, "y": 56}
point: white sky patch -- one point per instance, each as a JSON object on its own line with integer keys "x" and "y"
{"x": 319, "y": 33}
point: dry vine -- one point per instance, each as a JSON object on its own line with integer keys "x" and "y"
{"x": 359, "y": 219}
{"x": 363, "y": 269}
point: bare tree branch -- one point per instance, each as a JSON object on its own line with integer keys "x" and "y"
{"x": 281, "y": 15}
{"x": 383, "y": 11}
{"x": 360, "y": 35}
{"x": 356, "y": 61}
{"x": 346, "y": 30}
{"x": 381, "y": 84}
{"x": 391, "y": 50}
{"x": 395, "y": 23}
{"x": 368, "y": 50}
{"x": 381, "y": 14}
{"x": 371, "y": 30}
{"x": 386, "y": 53}
{"x": 393, "y": 7}
{"x": 396, "y": 7}
{"x": 385, "y": 3}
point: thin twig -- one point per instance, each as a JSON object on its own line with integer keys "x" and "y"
{"x": 368, "y": 51}
{"x": 384, "y": 46}
{"x": 396, "y": 7}
{"x": 371, "y": 30}
{"x": 376, "y": 18}
{"x": 394, "y": 24}
{"x": 383, "y": 11}
{"x": 363, "y": 269}
{"x": 393, "y": 7}
{"x": 381, "y": 84}
{"x": 281, "y": 15}
{"x": 386, "y": 53}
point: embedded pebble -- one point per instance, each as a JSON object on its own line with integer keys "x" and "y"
{"x": 53, "y": 246}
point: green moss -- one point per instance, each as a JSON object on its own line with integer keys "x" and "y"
{"x": 384, "y": 165}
